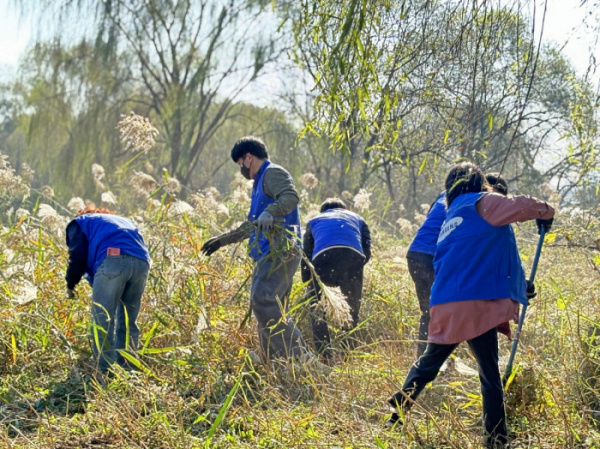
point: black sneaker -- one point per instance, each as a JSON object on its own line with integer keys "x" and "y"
{"x": 498, "y": 442}
{"x": 394, "y": 421}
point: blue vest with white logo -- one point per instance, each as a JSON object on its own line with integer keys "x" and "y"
{"x": 105, "y": 231}
{"x": 337, "y": 227}
{"x": 474, "y": 259}
{"x": 259, "y": 245}
{"x": 425, "y": 240}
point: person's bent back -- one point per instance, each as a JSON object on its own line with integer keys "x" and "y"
{"x": 102, "y": 233}
{"x": 338, "y": 243}
{"x": 113, "y": 254}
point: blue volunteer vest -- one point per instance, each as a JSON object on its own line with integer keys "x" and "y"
{"x": 425, "y": 240}
{"x": 105, "y": 231}
{"x": 337, "y": 227}
{"x": 474, "y": 259}
{"x": 259, "y": 245}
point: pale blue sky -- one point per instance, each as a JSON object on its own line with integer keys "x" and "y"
{"x": 14, "y": 37}
{"x": 561, "y": 19}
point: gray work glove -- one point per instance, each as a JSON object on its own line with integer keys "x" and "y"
{"x": 265, "y": 221}
{"x": 210, "y": 246}
{"x": 70, "y": 293}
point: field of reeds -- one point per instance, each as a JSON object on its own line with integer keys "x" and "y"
{"x": 199, "y": 383}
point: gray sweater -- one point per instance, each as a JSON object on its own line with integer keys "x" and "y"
{"x": 278, "y": 184}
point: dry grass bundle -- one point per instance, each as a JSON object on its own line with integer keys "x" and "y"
{"x": 309, "y": 180}
{"x": 11, "y": 184}
{"x": 335, "y": 307}
{"x": 76, "y": 204}
{"x": 143, "y": 183}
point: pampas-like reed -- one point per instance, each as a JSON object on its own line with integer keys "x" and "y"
{"x": 335, "y": 307}
{"x": 137, "y": 133}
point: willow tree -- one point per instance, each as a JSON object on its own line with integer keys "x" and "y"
{"x": 190, "y": 60}
{"x": 375, "y": 63}
{"x": 65, "y": 106}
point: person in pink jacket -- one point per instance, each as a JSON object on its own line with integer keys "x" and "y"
{"x": 479, "y": 283}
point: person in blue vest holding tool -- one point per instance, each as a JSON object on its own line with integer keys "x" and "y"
{"x": 111, "y": 251}
{"x": 479, "y": 283}
{"x": 338, "y": 243}
{"x": 274, "y": 200}
{"x": 422, "y": 250}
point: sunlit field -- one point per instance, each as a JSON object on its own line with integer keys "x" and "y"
{"x": 199, "y": 383}
{"x": 136, "y": 106}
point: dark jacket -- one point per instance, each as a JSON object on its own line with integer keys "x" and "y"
{"x": 78, "y": 254}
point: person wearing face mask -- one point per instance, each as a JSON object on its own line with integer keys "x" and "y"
{"x": 274, "y": 200}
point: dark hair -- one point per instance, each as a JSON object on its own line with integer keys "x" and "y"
{"x": 249, "y": 144}
{"x": 333, "y": 203}
{"x": 464, "y": 178}
{"x": 95, "y": 210}
{"x": 497, "y": 182}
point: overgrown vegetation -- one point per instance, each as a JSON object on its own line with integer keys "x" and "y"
{"x": 199, "y": 384}
{"x": 378, "y": 99}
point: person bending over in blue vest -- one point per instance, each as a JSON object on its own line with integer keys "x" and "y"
{"x": 111, "y": 251}
{"x": 479, "y": 283}
{"x": 422, "y": 249}
{"x": 274, "y": 197}
{"x": 338, "y": 243}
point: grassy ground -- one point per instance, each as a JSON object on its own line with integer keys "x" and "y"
{"x": 199, "y": 386}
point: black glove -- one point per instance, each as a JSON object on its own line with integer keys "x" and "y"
{"x": 210, "y": 246}
{"x": 531, "y": 293}
{"x": 546, "y": 224}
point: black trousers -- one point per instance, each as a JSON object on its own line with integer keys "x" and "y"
{"x": 336, "y": 267}
{"x": 485, "y": 350}
{"x": 422, "y": 274}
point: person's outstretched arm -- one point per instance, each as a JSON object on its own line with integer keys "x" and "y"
{"x": 500, "y": 210}
{"x": 237, "y": 235}
{"x": 78, "y": 254}
{"x": 308, "y": 245}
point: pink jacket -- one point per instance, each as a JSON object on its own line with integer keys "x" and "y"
{"x": 453, "y": 322}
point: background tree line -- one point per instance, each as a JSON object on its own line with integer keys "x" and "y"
{"x": 382, "y": 95}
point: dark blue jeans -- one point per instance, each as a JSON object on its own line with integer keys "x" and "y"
{"x": 117, "y": 293}
{"x": 485, "y": 350}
